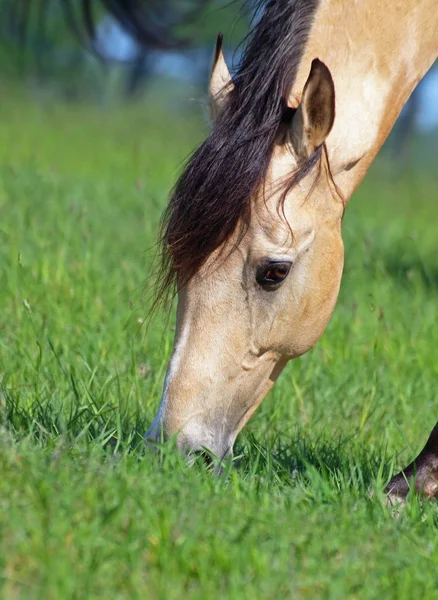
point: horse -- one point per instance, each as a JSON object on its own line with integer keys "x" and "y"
{"x": 251, "y": 239}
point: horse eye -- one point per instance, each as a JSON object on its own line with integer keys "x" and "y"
{"x": 271, "y": 275}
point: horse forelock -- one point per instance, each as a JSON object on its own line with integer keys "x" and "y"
{"x": 213, "y": 194}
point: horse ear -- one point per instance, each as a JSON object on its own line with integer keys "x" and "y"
{"x": 221, "y": 83}
{"x": 315, "y": 115}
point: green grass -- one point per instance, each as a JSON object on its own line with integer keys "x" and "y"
{"x": 83, "y": 512}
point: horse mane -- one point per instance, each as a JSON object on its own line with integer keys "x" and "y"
{"x": 213, "y": 194}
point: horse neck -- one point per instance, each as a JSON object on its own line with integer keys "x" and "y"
{"x": 377, "y": 53}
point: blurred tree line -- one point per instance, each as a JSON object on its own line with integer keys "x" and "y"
{"x": 73, "y": 45}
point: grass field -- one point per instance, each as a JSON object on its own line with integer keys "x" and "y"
{"x": 83, "y": 512}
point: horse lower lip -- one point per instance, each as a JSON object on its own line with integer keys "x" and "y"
{"x": 204, "y": 456}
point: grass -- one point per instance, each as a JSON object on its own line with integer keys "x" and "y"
{"x": 83, "y": 512}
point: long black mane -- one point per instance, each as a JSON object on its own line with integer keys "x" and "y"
{"x": 212, "y": 196}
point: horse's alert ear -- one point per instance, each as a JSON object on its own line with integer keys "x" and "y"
{"x": 221, "y": 83}
{"x": 315, "y": 115}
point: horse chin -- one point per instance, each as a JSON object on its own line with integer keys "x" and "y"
{"x": 193, "y": 440}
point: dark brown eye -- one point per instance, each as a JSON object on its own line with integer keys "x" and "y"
{"x": 271, "y": 275}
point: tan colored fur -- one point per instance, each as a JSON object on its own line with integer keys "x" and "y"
{"x": 377, "y": 52}
{"x": 234, "y": 339}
